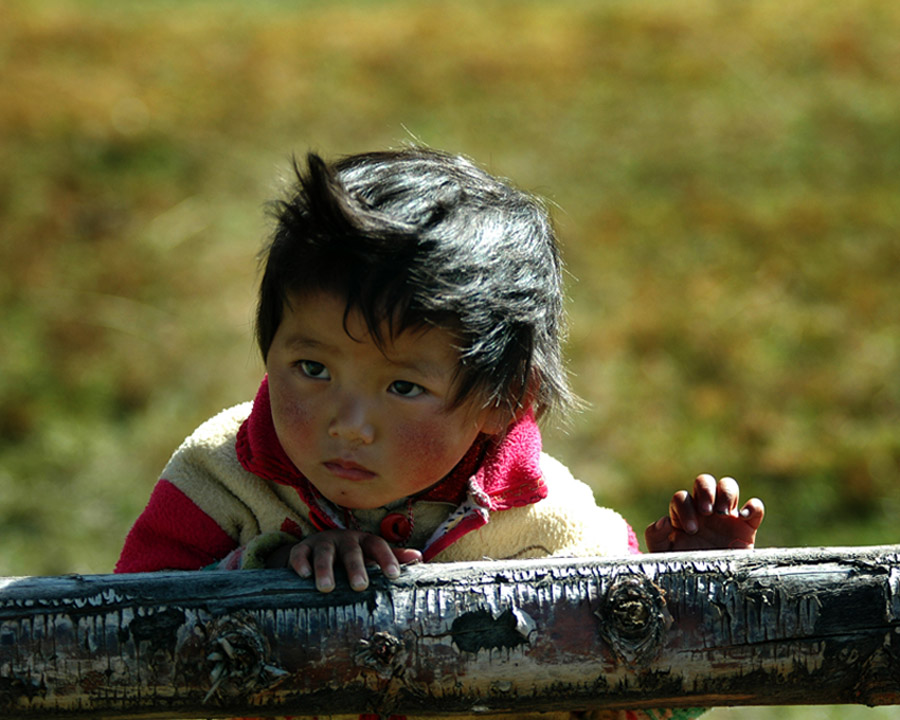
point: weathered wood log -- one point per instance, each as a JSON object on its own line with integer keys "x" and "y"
{"x": 789, "y": 626}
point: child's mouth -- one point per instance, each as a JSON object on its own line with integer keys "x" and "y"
{"x": 348, "y": 470}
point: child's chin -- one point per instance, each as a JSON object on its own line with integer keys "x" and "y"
{"x": 352, "y": 501}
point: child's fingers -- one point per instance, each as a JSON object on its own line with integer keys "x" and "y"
{"x": 314, "y": 558}
{"x": 727, "y": 495}
{"x": 299, "y": 560}
{"x": 407, "y": 556}
{"x": 682, "y": 513}
{"x": 656, "y": 535}
{"x": 753, "y": 512}
{"x": 350, "y": 550}
{"x": 704, "y": 493}
{"x": 323, "y": 553}
{"x": 317, "y": 555}
{"x": 378, "y": 551}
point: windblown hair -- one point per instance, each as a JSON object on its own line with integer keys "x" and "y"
{"x": 418, "y": 238}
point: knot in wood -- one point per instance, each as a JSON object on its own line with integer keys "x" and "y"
{"x": 633, "y": 618}
{"x": 384, "y": 653}
{"x": 235, "y": 657}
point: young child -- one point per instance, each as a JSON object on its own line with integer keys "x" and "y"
{"x": 410, "y": 319}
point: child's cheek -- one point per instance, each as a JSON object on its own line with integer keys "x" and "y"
{"x": 294, "y": 420}
{"x": 298, "y": 419}
{"x": 422, "y": 439}
{"x": 430, "y": 449}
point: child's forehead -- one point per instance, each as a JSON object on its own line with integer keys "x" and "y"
{"x": 321, "y": 318}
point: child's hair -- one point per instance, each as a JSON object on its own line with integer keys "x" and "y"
{"x": 419, "y": 238}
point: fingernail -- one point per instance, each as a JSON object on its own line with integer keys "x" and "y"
{"x": 392, "y": 571}
{"x": 706, "y": 508}
{"x": 325, "y": 584}
{"x": 358, "y": 582}
{"x": 690, "y": 527}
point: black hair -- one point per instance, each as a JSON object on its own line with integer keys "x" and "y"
{"x": 419, "y": 238}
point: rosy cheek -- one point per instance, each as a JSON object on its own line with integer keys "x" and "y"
{"x": 293, "y": 420}
{"x": 422, "y": 440}
{"x": 298, "y": 418}
{"x": 426, "y": 445}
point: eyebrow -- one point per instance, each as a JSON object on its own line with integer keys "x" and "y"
{"x": 295, "y": 342}
{"x": 425, "y": 368}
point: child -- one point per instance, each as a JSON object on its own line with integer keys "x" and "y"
{"x": 410, "y": 319}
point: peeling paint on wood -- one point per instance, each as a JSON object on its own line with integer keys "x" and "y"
{"x": 800, "y": 626}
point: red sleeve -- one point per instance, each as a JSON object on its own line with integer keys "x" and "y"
{"x": 634, "y": 547}
{"x": 172, "y": 534}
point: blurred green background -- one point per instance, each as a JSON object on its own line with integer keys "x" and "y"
{"x": 725, "y": 177}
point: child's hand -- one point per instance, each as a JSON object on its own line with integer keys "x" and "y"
{"x": 708, "y": 519}
{"x": 353, "y": 549}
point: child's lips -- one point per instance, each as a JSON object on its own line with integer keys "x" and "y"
{"x": 348, "y": 470}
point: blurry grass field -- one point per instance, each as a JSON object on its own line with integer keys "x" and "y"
{"x": 726, "y": 179}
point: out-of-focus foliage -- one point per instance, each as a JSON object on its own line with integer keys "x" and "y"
{"x": 727, "y": 179}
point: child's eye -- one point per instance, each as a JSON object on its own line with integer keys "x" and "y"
{"x": 407, "y": 389}
{"x": 313, "y": 369}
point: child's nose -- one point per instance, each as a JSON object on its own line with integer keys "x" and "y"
{"x": 352, "y": 422}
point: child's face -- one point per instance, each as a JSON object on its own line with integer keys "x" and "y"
{"x": 366, "y": 427}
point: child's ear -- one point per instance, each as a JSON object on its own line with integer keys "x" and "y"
{"x": 495, "y": 420}
{"x": 499, "y": 417}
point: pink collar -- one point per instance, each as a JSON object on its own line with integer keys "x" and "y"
{"x": 491, "y": 476}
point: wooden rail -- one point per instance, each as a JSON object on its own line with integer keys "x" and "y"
{"x": 786, "y": 626}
